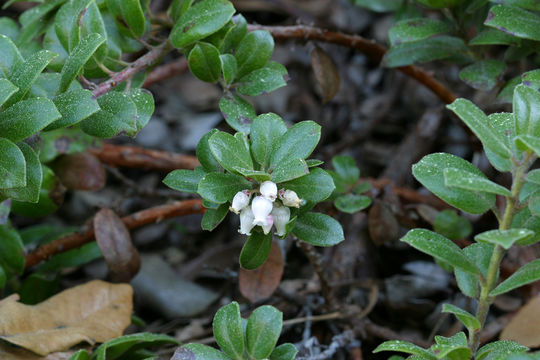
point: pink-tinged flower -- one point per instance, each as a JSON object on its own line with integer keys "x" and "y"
{"x": 281, "y": 215}
{"x": 268, "y": 226}
{"x": 290, "y": 198}
{"x": 268, "y": 190}
{"x": 246, "y": 221}
{"x": 240, "y": 201}
{"x": 261, "y": 208}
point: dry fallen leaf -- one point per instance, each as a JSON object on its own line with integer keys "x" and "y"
{"x": 326, "y": 74}
{"x": 8, "y": 352}
{"x": 259, "y": 284}
{"x": 524, "y": 327}
{"x": 115, "y": 243}
{"x": 80, "y": 171}
{"x": 94, "y": 312}
{"x": 382, "y": 224}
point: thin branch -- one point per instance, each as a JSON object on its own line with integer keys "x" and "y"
{"x": 166, "y": 71}
{"x": 132, "y": 156}
{"x": 148, "y": 59}
{"x": 369, "y": 47}
{"x": 140, "y": 218}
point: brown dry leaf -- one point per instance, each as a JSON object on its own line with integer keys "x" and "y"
{"x": 94, "y": 312}
{"x": 8, "y": 352}
{"x": 81, "y": 171}
{"x": 382, "y": 223}
{"x": 259, "y": 284}
{"x": 115, "y": 243}
{"x": 326, "y": 73}
{"x": 524, "y": 327}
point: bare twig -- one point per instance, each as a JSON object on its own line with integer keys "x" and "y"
{"x": 131, "y": 156}
{"x": 369, "y": 47}
{"x": 166, "y": 71}
{"x": 148, "y": 59}
{"x": 134, "y": 220}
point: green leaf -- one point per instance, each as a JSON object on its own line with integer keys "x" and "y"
{"x": 253, "y": 51}
{"x": 406, "y": 347}
{"x": 5, "y": 208}
{"x": 204, "y": 154}
{"x": 440, "y": 248}
{"x": 114, "y": 348}
{"x": 533, "y": 176}
{"x": 72, "y": 258}
{"x": 237, "y": 112}
{"x": 505, "y": 238}
{"x": 178, "y": 8}
{"x": 263, "y": 330}
{"x": 38, "y": 287}
{"x": 131, "y": 13}
{"x": 299, "y": 141}
{"x": 228, "y": 330}
{"x": 255, "y": 250}
{"x": 503, "y": 347}
{"x": 78, "y": 58}
{"x": 470, "y": 322}
{"x": 3, "y": 277}
{"x": 448, "y": 223}
{"x": 80, "y": 355}
{"x": 34, "y": 177}
{"x": 503, "y": 124}
{"x": 314, "y": 162}
{"x": 494, "y": 37}
{"x": 318, "y": 229}
{"x": 416, "y": 29}
{"x": 480, "y": 125}
{"x": 184, "y": 180}
{"x": 6, "y": 90}
{"x": 430, "y": 172}
{"x": 527, "y": 274}
{"x": 289, "y": 169}
{"x": 9, "y": 27}
{"x": 479, "y": 254}
{"x": 528, "y": 142}
{"x": 454, "y": 347}
{"x": 51, "y": 196}
{"x": 11, "y": 251}
{"x": 351, "y": 203}
{"x": 531, "y": 78}
{"x": 204, "y": 62}
{"x": 526, "y": 110}
{"x": 425, "y": 50}
{"x": 465, "y": 180}
{"x": 266, "y": 131}
{"x": 118, "y": 116}
{"x": 316, "y": 186}
{"x": 234, "y": 35}
{"x": 264, "y": 80}
{"x": 220, "y": 188}
{"x": 213, "y": 217}
{"x": 483, "y": 75}
{"x": 380, "y": 5}
{"x": 507, "y": 91}
{"x": 74, "y": 106}
{"x": 346, "y": 168}
{"x": 144, "y": 102}
{"x": 514, "y": 21}
{"x": 229, "y": 67}
{"x": 26, "y": 118}
{"x": 10, "y": 56}
{"x": 285, "y": 351}
{"x": 253, "y": 174}
{"x": 202, "y": 352}
{"x": 439, "y": 4}
{"x": 64, "y": 141}
{"x": 230, "y": 151}
{"x": 12, "y": 165}
{"x": 202, "y": 19}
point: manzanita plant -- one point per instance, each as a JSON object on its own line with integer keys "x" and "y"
{"x": 511, "y": 142}
{"x": 254, "y": 338}
{"x": 263, "y": 176}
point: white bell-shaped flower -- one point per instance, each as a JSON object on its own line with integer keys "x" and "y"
{"x": 268, "y": 189}
{"x": 261, "y": 208}
{"x": 281, "y": 215}
{"x": 246, "y": 221}
{"x": 290, "y": 198}
{"x": 268, "y": 226}
{"x": 240, "y": 201}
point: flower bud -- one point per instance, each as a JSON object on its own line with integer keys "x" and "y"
{"x": 281, "y": 215}
{"x": 261, "y": 208}
{"x": 290, "y": 198}
{"x": 240, "y": 201}
{"x": 268, "y": 189}
{"x": 268, "y": 226}
{"x": 246, "y": 221}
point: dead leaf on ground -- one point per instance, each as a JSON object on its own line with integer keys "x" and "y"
{"x": 382, "y": 224}
{"x": 115, "y": 243}
{"x": 259, "y": 284}
{"x": 524, "y": 327}
{"x": 94, "y": 312}
{"x": 81, "y": 171}
{"x": 326, "y": 74}
{"x": 8, "y": 352}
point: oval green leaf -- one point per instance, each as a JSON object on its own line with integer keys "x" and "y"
{"x": 318, "y": 229}
{"x": 263, "y": 330}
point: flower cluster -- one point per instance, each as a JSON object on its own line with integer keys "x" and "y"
{"x": 270, "y": 208}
